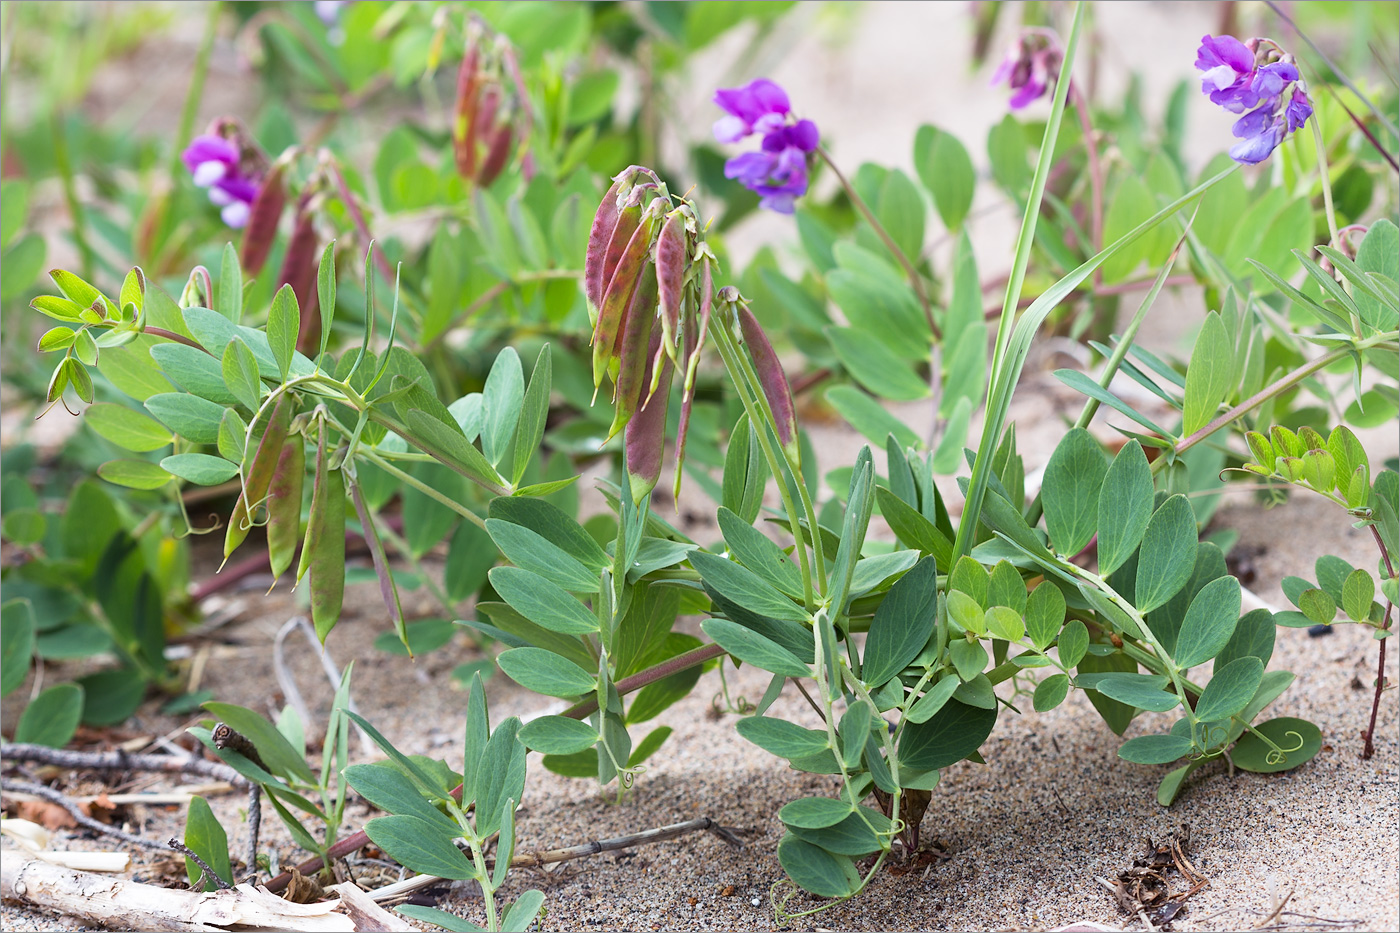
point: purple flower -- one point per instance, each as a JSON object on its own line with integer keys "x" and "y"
{"x": 1029, "y": 67}
{"x": 1252, "y": 78}
{"x": 215, "y": 163}
{"x": 758, "y": 107}
{"x": 778, "y": 172}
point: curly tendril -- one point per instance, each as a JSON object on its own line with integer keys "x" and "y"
{"x": 1279, "y": 755}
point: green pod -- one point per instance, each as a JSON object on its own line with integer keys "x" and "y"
{"x": 774, "y": 383}
{"x": 645, "y": 439}
{"x": 671, "y": 261}
{"x": 257, "y": 475}
{"x": 323, "y": 555}
{"x": 622, "y": 282}
{"x": 634, "y": 341}
{"x": 284, "y": 506}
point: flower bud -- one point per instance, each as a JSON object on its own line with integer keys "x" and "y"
{"x": 198, "y": 291}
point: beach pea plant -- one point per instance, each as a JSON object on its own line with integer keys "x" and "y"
{"x": 1100, "y": 581}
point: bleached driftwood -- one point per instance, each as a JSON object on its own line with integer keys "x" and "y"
{"x": 368, "y": 915}
{"x": 129, "y": 905}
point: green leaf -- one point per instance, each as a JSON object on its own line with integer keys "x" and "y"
{"x": 868, "y": 417}
{"x": 1209, "y": 622}
{"x": 1050, "y": 692}
{"x": 1006, "y": 149}
{"x": 283, "y": 327}
{"x": 325, "y": 294}
{"x": 1297, "y": 739}
{"x": 450, "y": 446}
{"x": 534, "y": 553}
{"x": 1070, "y": 492}
{"x": 545, "y": 672}
{"x": 1210, "y": 375}
{"x": 419, "y": 846}
{"x": 853, "y": 836}
{"x": 1230, "y": 689}
{"x": 1358, "y": 592}
{"x": 874, "y": 366}
{"x": 902, "y": 623}
{"x": 954, "y": 732}
{"x": 746, "y": 588}
{"x": 521, "y": 915}
{"x": 759, "y": 553}
{"x": 753, "y": 648}
{"x": 1154, "y": 749}
{"x": 1005, "y": 623}
{"x": 448, "y": 921}
{"x": 1253, "y": 638}
{"x": 52, "y": 717}
{"x": 193, "y": 418}
{"x": 390, "y": 789}
{"x": 127, "y": 427}
{"x": 1168, "y": 554}
{"x": 1318, "y": 605}
{"x": 815, "y": 812}
{"x": 1125, "y": 507}
{"x": 16, "y": 643}
{"x": 782, "y": 738}
{"x": 134, "y": 474}
{"x": 197, "y": 371}
{"x": 900, "y": 209}
{"x": 23, "y": 262}
{"x": 912, "y": 528}
{"x": 274, "y": 749}
{"x": 200, "y": 469}
{"x": 1073, "y": 643}
{"x": 534, "y": 411}
{"x": 206, "y": 838}
{"x": 1131, "y": 203}
{"x": 551, "y": 523}
{"x": 558, "y": 735}
{"x": 230, "y": 285}
{"x": 501, "y": 401}
{"x": 649, "y": 745}
{"x": 945, "y": 168}
{"x": 501, "y": 776}
{"x": 1045, "y": 612}
{"x": 1143, "y": 691}
{"x": 816, "y": 870}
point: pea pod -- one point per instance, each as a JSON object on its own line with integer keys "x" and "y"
{"x": 623, "y": 284}
{"x": 693, "y": 341}
{"x": 257, "y": 473}
{"x": 634, "y": 341}
{"x": 497, "y": 152}
{"x": 284, "y": 505}
{"x": 773, "y": 381}
{"x": 468, "y": 93}
{"x": 323, "y": 554}
{"x": 671, "y": 262}
{"x": 261, "y": 231}
{"x": 299, "y": 268}
{"x": 645, "y": 439}
{"x": 388, "y": 590}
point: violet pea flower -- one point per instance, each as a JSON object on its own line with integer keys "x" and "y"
{"x": 214, "y": 162}
{"x": 760, "y": 106}
{"x": 1252, "y": 78}
{"x": 778, "y": 172}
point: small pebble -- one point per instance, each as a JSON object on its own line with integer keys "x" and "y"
{"x": 1317, "y": 631}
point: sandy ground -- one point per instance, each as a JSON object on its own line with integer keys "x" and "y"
{"x": 1053, "y": 809}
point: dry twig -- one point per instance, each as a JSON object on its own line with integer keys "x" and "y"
{"x": 54, "y": 797}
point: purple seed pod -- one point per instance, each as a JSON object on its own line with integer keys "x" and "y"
{"x": 497, "y": 154}
{"x": 263, "y": 217}
{"x": 645, "y": 439}
{"x": 299, "y": 268}
{"x": 599, "y": 235}
{"x": 464, "y": 120}
{"x": 671, "y": 262}
{"x": 633, "y": 351}
{"x": 694, "y": 338}
{"x": 621, "y": 285}
{"x": 774, "y": 382}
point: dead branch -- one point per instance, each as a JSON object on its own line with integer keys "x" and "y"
{"x": 121, "y": 761}
{"x": 76, "y": 811}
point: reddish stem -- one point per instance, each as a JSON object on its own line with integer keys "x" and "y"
{"x": 1369, "y": 748}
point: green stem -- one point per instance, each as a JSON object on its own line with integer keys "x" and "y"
{"x": 1272, "y": 389}
{"x": 400, "y": 545}
{"x": 64, "y": 165}
{"x": 1326, "y": 182}
{"x": 915, "y": 280}
{"x": 730, "y": 354}
{"x": 196, "y": 89}
{"x": 412, "y": 481}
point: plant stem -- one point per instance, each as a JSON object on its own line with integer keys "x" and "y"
{"x": 731, "y": 354}
{"x": 1370, "y": 749}
{"x": 409, "y": 480}
{"x": 171, "y": 335}
{"x": 1081, "y": 107}
{"x": 195, "y": 94}
{"x": 915, "y": 280}
{"x": 651, "y": 675}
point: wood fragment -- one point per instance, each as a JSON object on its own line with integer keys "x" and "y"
{"x": 121, "y": 761}
{"x": 367, "y": 914}
{"x": 129, "y": 905}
